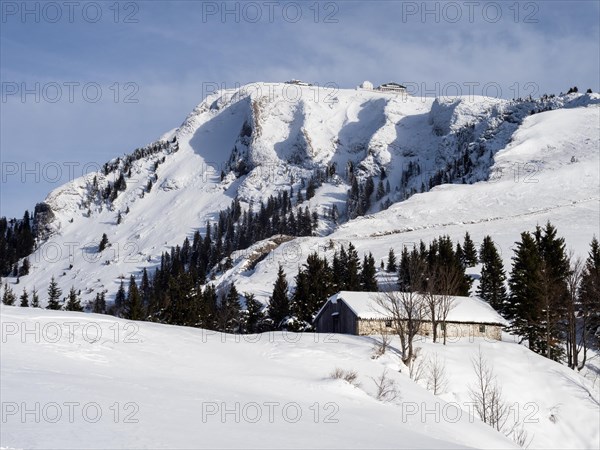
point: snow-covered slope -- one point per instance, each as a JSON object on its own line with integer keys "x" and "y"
{"x": 136, "y": 385}
{"x": 260, "y": 139}
{"x": 549, "y": 171}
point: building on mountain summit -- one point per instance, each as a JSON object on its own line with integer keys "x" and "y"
{"x": 361, "y": 313}
{"x": 385, "y": 87}
{"x": 392, "y": 87}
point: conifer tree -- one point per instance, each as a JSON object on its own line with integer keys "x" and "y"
{"x": 230, "y": 311}
{"x": 9, "y": 296}
{"x": 368, "y": 275}
{"x": 120, "y": 300}
{"x": 589, "y": 296}
{"x": 279, "y": 304}
{"x": 313, "y": 287}
{"x": 24, "y": 269}
{"x": 24, "y": 299}
{"x": 35, "y": 299}
{"x": 73, "y": 303}
{"x": 392, "y": 265}
{"x": 352, "y": 282}
{"x": 254, "y": 314}
{"x": 146, "y": 289}
{"x": 469, "y": 251}
{"x": 99, "y": 304}
{"x": 380, "y": 190}
{"x": 460, "y": 254}
{"x": 103, "y": 243}
{"x": 554, "y": 270}
{"x": 133, "y": 309}
{"x": 209, "y": 308}
{"x": 404, "y": 282}
{"x": 523, "y": 306}
{"x": 54, "y": 294}
{"x": 491, "y": 285}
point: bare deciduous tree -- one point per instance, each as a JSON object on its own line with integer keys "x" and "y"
{"x": 417, "y": 367}
{"x": 406, "y": 312}
{"x": 487, "y": 394}
{"x": 491, "y": 406}
{"x": 448, "y": 280}
{"x": 576, "y": 342}
{"x": 437, "y": 382}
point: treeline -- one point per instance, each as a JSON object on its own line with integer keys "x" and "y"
{"x": 551, "y": 299}
{"x": 437, "y": 268}
{"x": 316, "y": 281}
{"x": 554, "y": 299}
{"x": 175, "y": 294}
{"x": 18, "y": 237}
{"x": 123, "y": 165}
{"x": 17, "y": 240}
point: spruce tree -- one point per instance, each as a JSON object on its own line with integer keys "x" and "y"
{"x": 380, "y": 190}
{"x": 9, "y": 296}
{"x": 230, "y": 311}
{"x": 254, "y": 314}
{"x": 24, "y": 299}
{"x": 279, "y": 304}
{"x": 35, "y": 299}
{"x": 524, "y": 302}
{"x": 589, "y": 292}
{"x": 314, "y": 285}
{"x": 368, "y": 275}
{"x": 491, "y": 285}
{"x": 392, "y": 265}
{"x": 133, "y": 309}
{"x": 120, "y": 300}
{"x": 103, "y": 243}
{"x": 404, "y": 282}
{"x": 99, "y": 304}
{"x": 460, "y": 254}
{"x": 352, "y": 282}
{"x": 469, "y": 251}
{"x": 54, "y": 294}
{"x": 146, "y": 289}
{"x": 554, "y": 270}
{"x": 73, "y": 303}
{"x": 24, "y": 270}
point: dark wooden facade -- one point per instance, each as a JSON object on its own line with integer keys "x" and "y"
{"x": 336, "y": 318}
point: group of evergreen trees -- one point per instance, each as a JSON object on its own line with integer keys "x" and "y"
{"x": 438, "y": 268}
{"x": 360, "y": 195}
{"x": 541, "y": 295}
{"x": 17, "y": 240}
{"x": 551, "y": 299}
{"x": 316, "y": 281}
{"x": 71, "y": 303}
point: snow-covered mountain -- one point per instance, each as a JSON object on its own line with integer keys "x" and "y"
{"x": 437, "y": 166}
{"x": 445, "y": 166}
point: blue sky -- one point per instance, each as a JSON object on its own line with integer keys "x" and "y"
{"x": 166, "y": 55}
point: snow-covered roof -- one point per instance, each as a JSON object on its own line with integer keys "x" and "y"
{"x": 392, "y": 84}
{"x": 465, "y": 309}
